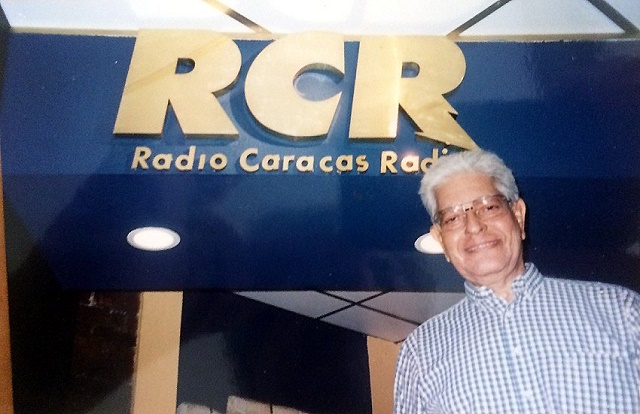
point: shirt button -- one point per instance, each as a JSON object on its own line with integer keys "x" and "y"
{"x": 528, "y": 394}
{"x": 517, "y": 351}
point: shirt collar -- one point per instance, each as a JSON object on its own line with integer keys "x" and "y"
{"x": 524, "y": 286}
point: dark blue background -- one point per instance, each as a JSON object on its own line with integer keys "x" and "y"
{"x": 564, "y": 115}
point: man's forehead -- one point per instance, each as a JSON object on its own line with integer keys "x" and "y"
{"x": 462, "y": 187}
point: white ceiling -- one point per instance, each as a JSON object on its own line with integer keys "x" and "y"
{"x": 355, "y": 17}
{"x": 386, "y": 315}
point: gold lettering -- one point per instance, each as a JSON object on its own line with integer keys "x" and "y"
{"x": 184, "y": 162}
{"x": 269, "y": 88}
{"x": 344, "y": 163}
{"x": 387, "y": 161}
{"x": 305, "y": 164}
{"x": 410, "y": 164}
{"x": 430, "y": 161}
{"x": 362, "y": 163}
{"x": 140, "y": 158}
{"x": 380, "y": 89}
{"x": 271, "y": 162}
{"x": 218, "y": 162}
{"x": 157, "y": 79}
{"x": 162, "y": 161}
{"x": 244, "y": 157}
{"x": 324, "y": 164}
{"x": 286, "y": 162}
{"x": 152, "y": 83}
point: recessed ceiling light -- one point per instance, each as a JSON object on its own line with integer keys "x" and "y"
{"x": 153, "y": 238}
{"x": 427, "y": 244}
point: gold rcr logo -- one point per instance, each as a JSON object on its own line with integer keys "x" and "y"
{"x": 380, "y": 89}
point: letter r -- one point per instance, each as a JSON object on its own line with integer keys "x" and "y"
{"x": 152, "y": 83}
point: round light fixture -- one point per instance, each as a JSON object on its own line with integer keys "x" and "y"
{"x": 153, "y": 238}
{"x": 427, "y": 244}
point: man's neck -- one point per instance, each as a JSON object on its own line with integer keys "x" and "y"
{"x": 505, "y": 293}
{"x": 504, "y": 289}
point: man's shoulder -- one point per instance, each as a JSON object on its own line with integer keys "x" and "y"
{"x": 592, "y": 290}
{"x": 590, "y": 286}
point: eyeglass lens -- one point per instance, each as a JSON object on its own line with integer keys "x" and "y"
{"x": 484, "y": 208}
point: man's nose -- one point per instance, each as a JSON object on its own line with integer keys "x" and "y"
{"x": 472, "y": 223}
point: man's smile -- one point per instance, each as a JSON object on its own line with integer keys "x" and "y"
{"x": 484, "y": 245}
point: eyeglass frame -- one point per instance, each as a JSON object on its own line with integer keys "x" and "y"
{"x": 469, "y": 206}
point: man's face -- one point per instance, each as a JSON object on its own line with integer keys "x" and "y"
{"x": 485, "y": 249}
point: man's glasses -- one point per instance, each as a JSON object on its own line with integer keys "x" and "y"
{"x": 485, "y": 207}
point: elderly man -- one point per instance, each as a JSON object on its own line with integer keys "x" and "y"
{"x": 519, "y": 342}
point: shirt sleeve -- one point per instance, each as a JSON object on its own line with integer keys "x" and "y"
{"x": 408, "y": 396}
{"x": 632, "y": 309}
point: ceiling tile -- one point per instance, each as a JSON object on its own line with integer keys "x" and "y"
{"x": 356, "y": 17}
{"x": 118, "y": 15}
{"x": 544, "y": 17}
{"x": 371, "y": 323}
{"x": 414, "y": 306}
{"x": 628, "y": 8}
{"x": 429, "y": 17}
{"x": 354, "y": 296}
{"x": 308, "y": 303}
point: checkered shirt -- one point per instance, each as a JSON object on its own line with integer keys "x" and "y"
{"x": 561, "y": 346}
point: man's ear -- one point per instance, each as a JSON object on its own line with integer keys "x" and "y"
{"x": 520, "y": 211}
{"x": 437, "y": 236}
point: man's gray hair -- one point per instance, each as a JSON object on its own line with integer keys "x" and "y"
{"x": 474, "y": 161}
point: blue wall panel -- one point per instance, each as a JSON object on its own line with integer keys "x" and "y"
{"x": 564, "y": 115}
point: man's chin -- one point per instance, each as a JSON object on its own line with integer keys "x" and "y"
{"x": 484, "y": 271}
